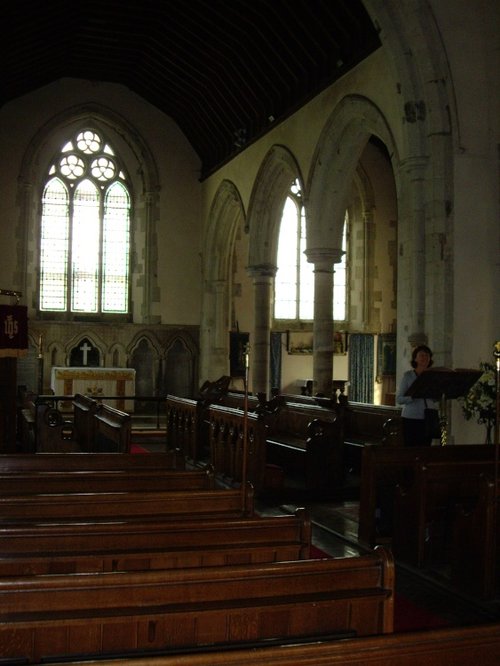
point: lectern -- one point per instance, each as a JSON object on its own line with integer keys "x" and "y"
{"x": 443, "y": 384}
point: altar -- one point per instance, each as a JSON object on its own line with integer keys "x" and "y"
{"x": 96, "y": 382}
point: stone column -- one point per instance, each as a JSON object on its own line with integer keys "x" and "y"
{"x": 411, "y": 265}
{"x": 263, "y": 279}
{"x": 323, "y": 260}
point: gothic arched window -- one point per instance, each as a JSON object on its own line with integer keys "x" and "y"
{"x": 294, "y": 283}
{"x": 85, "y": 230}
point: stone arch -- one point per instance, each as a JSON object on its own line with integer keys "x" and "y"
{"x": 430, "y": 132}
{"x": 227, "y": 219}
{"x": 179, "y": 371}
{"x": 144, "y": 185}
{"x": 94, "y": 340}
{"x": 334, "y": 165}
{"x": 276, "y": 174}
{"x": 144, "y": 357}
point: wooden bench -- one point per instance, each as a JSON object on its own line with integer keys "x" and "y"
{"x": 84, "y": 410}
{"x": 460, "y": 646}
{"x": 372, "y": 424}
{"x": 126, "y": 505}
{"x": 112, "y": 429}
{"x": 103, "y": 481}
{"x": 65, "y": 462}
{"x": 366, "y": 425}
{"x": 183, "y": 426}
{"x": 306, "y": 440}
{"x": 425, "y": 507}
{"x": 54, "y": 431}
{"x": 384, "y": 467}
{"x": 111, "y": 546}
{"x": 122, "y": 613}
{"x": 227, "y": 430}
{"x": 475, "y": 561}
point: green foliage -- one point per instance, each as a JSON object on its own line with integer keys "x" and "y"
{"x": 480, "y": 402}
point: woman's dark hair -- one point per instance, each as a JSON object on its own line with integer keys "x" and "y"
{"x": 414, "y": 353}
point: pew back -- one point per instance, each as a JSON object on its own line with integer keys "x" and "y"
{"x": 460, "y": 646}
{"x": 112, "y": 430}
{"x": 62, "y": 462}
{"x": 128, "y": 611}
{"x": 307, "y": 441}
{"x": 84, "y": 410}
{"x": 425, "y": 507}
{"x": 183, "y": 426}
{"x": 475, "y": 564}
{"x": 237, "y": 444}
{"x": 105, "y": 481}
{"x": 384, "y": 467}
{"x": 114, "y": 546}
{"x": 126, "y": 505}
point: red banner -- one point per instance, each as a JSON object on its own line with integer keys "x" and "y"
{"x": 13, "y": 330}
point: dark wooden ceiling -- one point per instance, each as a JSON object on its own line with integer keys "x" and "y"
{"x": 224, "y": 70}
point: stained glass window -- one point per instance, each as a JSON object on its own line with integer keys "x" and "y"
{"x": 85, "y": 230}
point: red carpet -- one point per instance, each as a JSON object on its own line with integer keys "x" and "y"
{"x": 136, "y": 448}
{"x": 408, "y": 616}
{"x": 317, "y": 553}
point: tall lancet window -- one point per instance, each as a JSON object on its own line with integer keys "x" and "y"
{"x": 85, "y": 230}
{"x": 294, "y": 283}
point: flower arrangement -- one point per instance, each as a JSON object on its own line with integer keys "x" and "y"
{"x": 480, "y": 401}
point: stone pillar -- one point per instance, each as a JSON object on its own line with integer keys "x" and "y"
{"x": 214, "y": 332}
{"x": 263, "y": 276}
{"x": 411, "y": 265}
{"x": 151, "y": 296}
{"x": 323, "y": 260}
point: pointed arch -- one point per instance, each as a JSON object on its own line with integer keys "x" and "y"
{"x": 144, "y": 186}
{"x": 226, "y": 220}
{"x": 277, "y": 172}
{"x": 226, "y": 213}
{"x": 334, "y": 166}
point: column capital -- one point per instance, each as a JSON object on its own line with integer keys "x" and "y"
{"x": 324, "y": 255}
{"x": 414, "y": 164}
{"x": 262, "y": 270}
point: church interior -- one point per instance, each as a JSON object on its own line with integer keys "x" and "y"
{"x": 227, "y": 229}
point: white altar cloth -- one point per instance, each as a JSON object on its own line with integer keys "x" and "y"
{"x": 96, "y": 382}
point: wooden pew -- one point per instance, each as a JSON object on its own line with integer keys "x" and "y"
{"x": 384, "y": 467}
{"x": 372, "y": 424}
{"x": 183, "y": 426}
{"x": 103, "y": 481}
{"x": 307, "y": 440}
{"x": 425, "y": 508}
{"x": 112, "y": 429}
{"x": 366, "y": 425}
{"x": 475, "y": 561}
{"x": 126, "y": 505}
{"x": 84, "y": 410}
{"x": 54, "y": 431}
{"x": 45, "y": 548}
{"x": 227, "y": 428}
{"x": 65, "y": 462}
{"x": 124, "y": 612}
{"x": 457, "y": 646}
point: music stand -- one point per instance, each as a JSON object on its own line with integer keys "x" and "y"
{"x": 443, "y": 384}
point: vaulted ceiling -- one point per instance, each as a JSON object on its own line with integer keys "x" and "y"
{"x": 224, "y": 70}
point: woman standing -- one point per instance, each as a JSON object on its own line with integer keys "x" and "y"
{"x": 412, "y": 414}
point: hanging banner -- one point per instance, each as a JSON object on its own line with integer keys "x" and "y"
{"x": 13, "y": 330}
